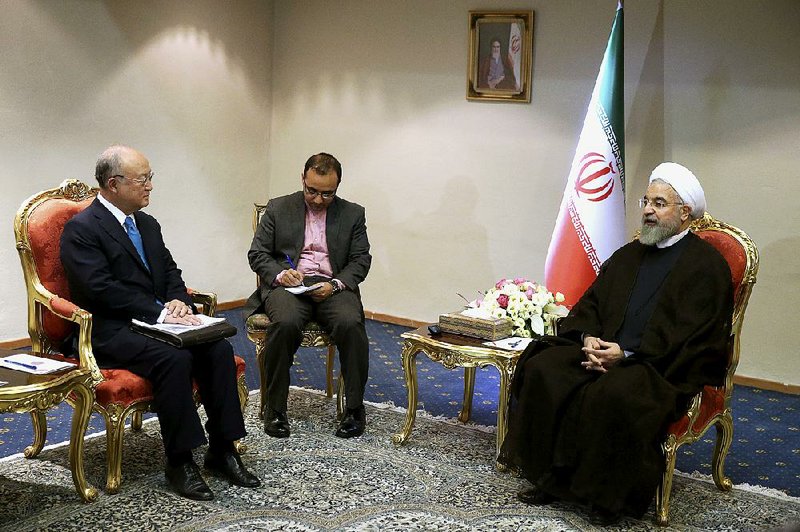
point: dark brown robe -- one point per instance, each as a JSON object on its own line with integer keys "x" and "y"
{"x": 595, "y": 437}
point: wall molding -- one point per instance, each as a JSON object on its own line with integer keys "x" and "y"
{"x": 755, "y": 382}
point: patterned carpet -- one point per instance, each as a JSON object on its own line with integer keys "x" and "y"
{"x": 765, "y": 450}
{"x": 442, "y": 479}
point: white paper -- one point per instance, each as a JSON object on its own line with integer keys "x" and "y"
{"x": 33, "y": 364}
{"x": 177, "y": 328}
{"x": 512, "y": 343}
{"x": 297, "y": 290}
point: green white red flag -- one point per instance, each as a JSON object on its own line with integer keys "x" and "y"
{"x": 591, "y": 221}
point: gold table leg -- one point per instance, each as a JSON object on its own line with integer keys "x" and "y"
{"x": 39, "y": 421}
{"x": 80, "y": 421}
{"x": 409, "y": 355}
{"x": 469, "y": 389}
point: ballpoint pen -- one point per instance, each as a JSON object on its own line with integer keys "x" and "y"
{"x": 290, "y": 261}
{"x": 21, "y": 364}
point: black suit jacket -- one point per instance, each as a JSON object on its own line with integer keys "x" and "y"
{"x": 108, "y": 278}
{"x": 281, "y": 232}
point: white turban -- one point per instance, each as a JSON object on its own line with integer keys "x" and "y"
{"x": 685, "y": 184}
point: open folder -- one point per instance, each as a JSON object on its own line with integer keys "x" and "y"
{"x": 210, "y": 330}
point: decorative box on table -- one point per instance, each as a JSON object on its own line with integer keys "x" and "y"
{"x": 486, "y": 329}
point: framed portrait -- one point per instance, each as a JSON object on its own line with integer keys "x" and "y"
{"x": 500, "y": 51}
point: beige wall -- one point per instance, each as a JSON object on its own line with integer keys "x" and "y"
{"x": 187, "y": 82}
{"x": 457, "y": 193}
{"x": 460, "y": 193}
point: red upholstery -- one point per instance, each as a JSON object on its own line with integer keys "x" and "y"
{"x": 732, "y": 251}
{"x": 45, "y": 225}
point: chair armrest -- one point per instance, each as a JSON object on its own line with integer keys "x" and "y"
{"x": 206, "y": 300}
{"x": 66, "y": 309}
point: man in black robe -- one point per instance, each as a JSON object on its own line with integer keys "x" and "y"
{"x": 590, "y": 407}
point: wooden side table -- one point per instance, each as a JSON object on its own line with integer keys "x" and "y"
{"x": 453, "y": 351}
{"x": 35, "y": 394}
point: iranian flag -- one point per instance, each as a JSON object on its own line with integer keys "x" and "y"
{"x": 515, "y": 51}
{"x": 591, "y": 220}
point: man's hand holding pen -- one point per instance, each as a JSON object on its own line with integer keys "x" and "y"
{"x": 291, "y": 277}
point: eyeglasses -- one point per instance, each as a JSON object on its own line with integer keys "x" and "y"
{"x": 141, "y": 181}
{"x": 314, "y": 193}
{"x": 657, "y": 204}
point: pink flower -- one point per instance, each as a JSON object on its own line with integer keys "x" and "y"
{"x": 502, "y": 300}
{"x": 501, "y": 283}
{"x": 520, "y": 280}
{"x": 529, "y": 294}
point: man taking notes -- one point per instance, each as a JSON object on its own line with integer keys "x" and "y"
{"x": 313, "y": 238}
{"x": 591, "y": 406}
{"x": 119, "y": 269}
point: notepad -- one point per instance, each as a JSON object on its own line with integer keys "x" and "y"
{"x": 33, "y": 364}
{"x": 297, "y": 290}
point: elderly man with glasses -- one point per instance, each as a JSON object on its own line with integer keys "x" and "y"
{"x": 590, "y": 406}
{"x": 119, "y": 269}
{"x": 312, "y": 238}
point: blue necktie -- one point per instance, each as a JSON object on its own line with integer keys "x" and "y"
{"x": 136, "y": 238}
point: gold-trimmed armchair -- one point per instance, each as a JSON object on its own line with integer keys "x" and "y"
{"x": 712, "y": 407}
{"x": 313, "y": 336}
{"x": 52, "y": 317}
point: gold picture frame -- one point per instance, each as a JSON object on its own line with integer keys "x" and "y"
{"x": 500, "y": 53}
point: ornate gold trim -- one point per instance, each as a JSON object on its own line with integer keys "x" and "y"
{"x": 452, "y": 356}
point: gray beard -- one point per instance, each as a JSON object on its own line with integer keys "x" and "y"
{"x": 652, "y": 235}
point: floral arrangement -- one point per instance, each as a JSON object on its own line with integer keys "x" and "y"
{"x": 529, "y": 306}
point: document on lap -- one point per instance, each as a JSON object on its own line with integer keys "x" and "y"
{"x": 209, "y": 330}
{"x": 297, "y": 290}
{"x": 176, "y": 328}
{"x": 33, "y": 364}
{"x": 513, "y": 343}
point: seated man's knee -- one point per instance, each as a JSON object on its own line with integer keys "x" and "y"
{"x": 292, "y": 326}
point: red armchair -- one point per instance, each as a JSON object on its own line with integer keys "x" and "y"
{"x": 52, "y": 317}
{"x": 712, "y": 407}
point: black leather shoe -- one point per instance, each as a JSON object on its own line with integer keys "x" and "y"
{"x": 353, "y": 423}
{"x": 187, "y": 481}
{"x": 230, "y": 466}
{"x": 535, "y": 496}
{"x": 276, "y": 424}
{"x": 603, "y": 517}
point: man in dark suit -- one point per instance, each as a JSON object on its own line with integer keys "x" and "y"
{"x": 119, "y": 269}
{"x": 317, "y": 239}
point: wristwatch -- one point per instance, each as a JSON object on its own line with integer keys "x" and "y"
{"x": 335, "y": 287}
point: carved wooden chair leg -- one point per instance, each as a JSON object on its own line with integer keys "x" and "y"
{"x": 39, "y": 421}
{"x": 664, "y": 490}
{"x": 241, "y": 389}
{"x": 724, "y": 438}
{"x": 329, "y": 368}
{"x": 263, "y": 380}
{"x": 115, "y": 426}
{"x": 136, "y": 420}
